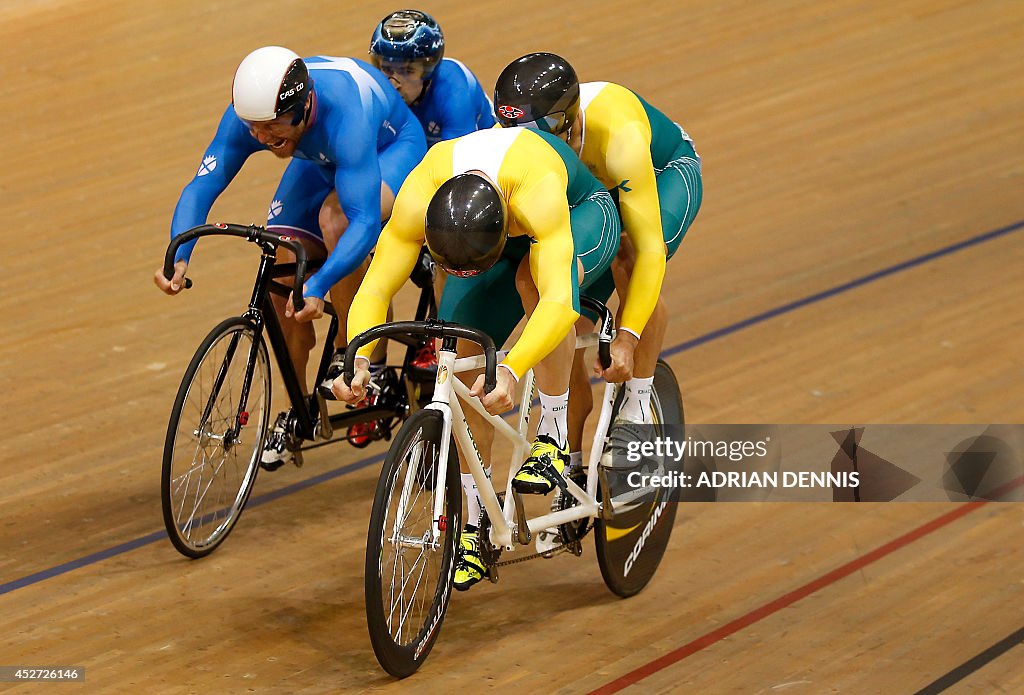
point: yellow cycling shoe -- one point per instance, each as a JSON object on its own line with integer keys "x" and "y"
{"x": 542, "y": 472}
{"x": 469, "y": 567}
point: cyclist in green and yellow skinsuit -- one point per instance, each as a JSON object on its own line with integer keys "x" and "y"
{"x": 499, "y": 209}
{"x": 650, "y": 164}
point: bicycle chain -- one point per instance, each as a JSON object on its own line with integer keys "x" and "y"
{"x": 548, "y": 554}
{"x": 563, "y": 548}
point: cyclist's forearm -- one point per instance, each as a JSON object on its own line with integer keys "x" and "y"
{"x": 390, "y": 268}
{"x": 368, "y": 309}
{"x": 355, "y": 245}
{"x": 546, "y": 328}
{"x": 192, "y": 209}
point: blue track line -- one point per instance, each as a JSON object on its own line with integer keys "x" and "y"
{"x": 688, "y": 345}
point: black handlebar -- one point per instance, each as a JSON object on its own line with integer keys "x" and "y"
{"x": 604, "y": 335}
{"x": 430, "y": 329}
{"x": 269, "y": 241}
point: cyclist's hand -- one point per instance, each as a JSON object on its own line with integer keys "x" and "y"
{"x": 177, "y": 281}
{"x": 354, "y": 393}
{"x": 314, "y": 309}
{"x": 622, "y": 349}
{"x": 500, "y": 399}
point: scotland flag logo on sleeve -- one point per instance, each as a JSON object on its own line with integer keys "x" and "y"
{"x": 208, "y": 165}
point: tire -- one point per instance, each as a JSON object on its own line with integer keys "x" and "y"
{"x": 209, "y": 470}
{"x": 631, "y": 545}
{"x": 402, "y": 642}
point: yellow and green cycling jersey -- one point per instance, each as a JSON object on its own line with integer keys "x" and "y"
{"x": 542, "y": 182}
{"x": 626, "y": 144}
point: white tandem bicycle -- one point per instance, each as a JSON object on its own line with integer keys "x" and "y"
{"x": 414, "y": 527}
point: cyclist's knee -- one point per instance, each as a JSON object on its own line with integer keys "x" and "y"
{"x": 584, "y": 325}
{"x": 467, "y": 348}
{"x": 314, "y": 251}
{"x": 622, "y": 265}
{"x": 387, "y": 201}
{"x": 298, "y": 335}
{"x": 525, "y": 286}
{"x": 333, "y": 221}
{"x": 579, "y": 386}
{"x": 660, "y": 314}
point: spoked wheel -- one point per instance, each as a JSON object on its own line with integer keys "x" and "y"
{"x": 631, "y": 544}
{"x": 215, "y": 437}
{"x": 410, "y": 560}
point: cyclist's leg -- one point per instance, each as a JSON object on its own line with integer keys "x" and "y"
{"x": 487, "y": 302}
{"x": 680, "y": 192}
{"x": 599, "y": 214}
{"x": 294, "y": 211}
{"x": 333, "y": 224}
{"x": 552, "y": 372}
{"x": 395, "y": 160}
{"x": 596, "y": 230}
{"x": 471, "y": 301}
{"x": 581, "y": 400}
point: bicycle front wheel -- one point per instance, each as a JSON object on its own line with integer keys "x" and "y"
{"x": 630, "y": 545}
{"x": 215, "y": 437}
{"x": 409, "y": 553}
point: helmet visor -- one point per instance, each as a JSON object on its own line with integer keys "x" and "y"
{"x": 291, "y": 117}
{"x": 554, "y": 123}
{"x": 400, "y": 69}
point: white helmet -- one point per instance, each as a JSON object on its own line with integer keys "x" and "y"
{"x": 270, "y": 81}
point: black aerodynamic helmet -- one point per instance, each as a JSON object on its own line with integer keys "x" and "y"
{"x": 466, "y": 225}
{"x": 539, "y": 90}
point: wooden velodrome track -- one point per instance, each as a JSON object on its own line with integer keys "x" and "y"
{"x": 839, "y": 138}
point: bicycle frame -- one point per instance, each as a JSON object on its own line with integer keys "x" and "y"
{"x": 312, "y": 422}
{"x": 503, "y": 517}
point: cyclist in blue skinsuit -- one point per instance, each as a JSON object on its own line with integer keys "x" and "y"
{"x": 446, "y": 97}
{"x": 351, "y": 140}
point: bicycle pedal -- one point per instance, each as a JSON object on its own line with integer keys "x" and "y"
{"x": 547, "y": 541}
{"x": 359, "y": 441}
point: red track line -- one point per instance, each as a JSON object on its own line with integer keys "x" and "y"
{"x": 778, "y": 604}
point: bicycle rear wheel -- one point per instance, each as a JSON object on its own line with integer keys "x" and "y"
{"x": 409, "y": 573}
{"x": 214, "y": 440}
{"x": 630, "y": 545}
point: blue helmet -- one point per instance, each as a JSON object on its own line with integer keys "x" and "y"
{"x": 408, "y": 36}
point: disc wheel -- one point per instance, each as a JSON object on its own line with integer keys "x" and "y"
{"x": 631, "y": 544}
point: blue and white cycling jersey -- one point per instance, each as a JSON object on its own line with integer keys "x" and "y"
{"x": 454, "y": 104}
{"x": 359, "y": 134}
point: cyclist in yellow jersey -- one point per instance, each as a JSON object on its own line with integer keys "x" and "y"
{"x": 499, "y": 209}
{"x": 650, "y": 164}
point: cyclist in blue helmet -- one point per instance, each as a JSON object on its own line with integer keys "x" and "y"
{"x": 446, "y": 97}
